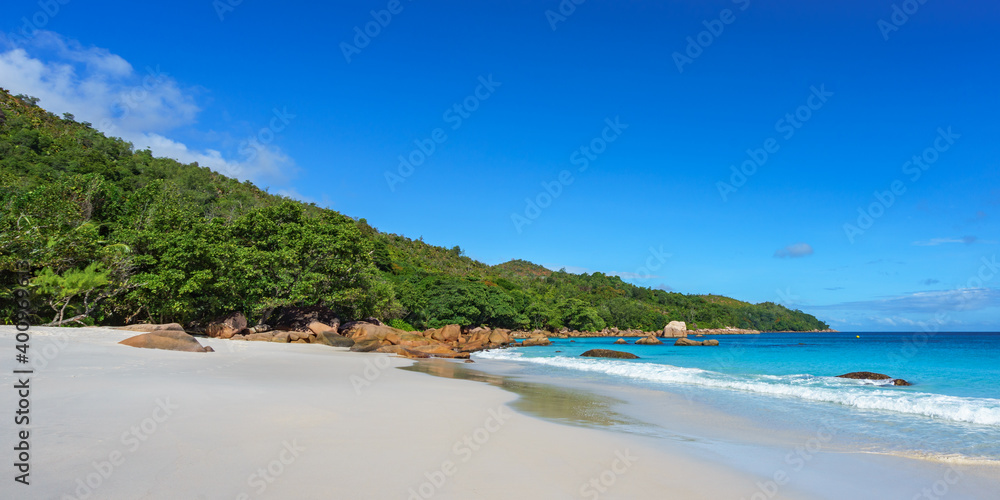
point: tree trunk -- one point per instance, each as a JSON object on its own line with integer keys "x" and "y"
{"x": 62, "y": 311}
{"x": 266, "y": 315}
{"x": 60, "y": 322}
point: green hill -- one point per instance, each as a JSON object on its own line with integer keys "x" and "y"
{"x": 113, "y": 235}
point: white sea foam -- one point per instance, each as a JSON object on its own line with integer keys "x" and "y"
{"x": 852, "y": 393}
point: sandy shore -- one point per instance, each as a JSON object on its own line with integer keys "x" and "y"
{"x": 289, "y": 421}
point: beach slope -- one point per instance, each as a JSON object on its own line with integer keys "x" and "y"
{"x": 265, "y": 420}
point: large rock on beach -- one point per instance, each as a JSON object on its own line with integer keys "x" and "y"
{"x": 318, "y": 327}
{"x": 391, "y": 349}
{"x": 145, "y": 327}
{"x": 225, "y": 327}
{"x": 361, "y": 330}
{"x": 447, "y": 333}
{"x": 499, "y": 337}
{"x": 608, "y": 353}
{"x": 333, "y": 339}
{"x": 171, "y": 340}
{"x": 413, "y": 340}
{"x": 366, "y": 345}
{"x": 439, "y": 351}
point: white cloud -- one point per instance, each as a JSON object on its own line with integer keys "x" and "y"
{"x": 142, "y": 107}
{"x": 933, "y": 242}
{"x": 796, "y": 250}
{"x": 962, "y": 299}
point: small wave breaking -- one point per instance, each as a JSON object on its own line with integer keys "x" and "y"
{"x": 852, "y": 393}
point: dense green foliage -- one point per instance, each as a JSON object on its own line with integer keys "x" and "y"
{"x": 113, "y": 235}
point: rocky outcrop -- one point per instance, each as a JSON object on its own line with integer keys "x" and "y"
{"x": 675, "y": 329}
{"x": 725, "y": 331}
{"x": 650, "y": 340}
{"x": 262, "y": 336}
{"x": 539, "y": 340}
{"x": 689, "y": 342}
{"x": 361, "y": 330}
{"x": 333, "y": 339}
{"x": 318, "y": 327}
{"x": 448, "y": 333}
{"x": 171, "y": 340}
{"x": 225, "y": 327}
{"x": 408, "y": 339}
{"x": 608, "y": 353}
{"x": 440, "y": 351}
{"x": 410, "y": 353}
{"x": 621, "y": 341}
{"x": 499, "y": 337}
{"x": 873, "y": 376}
{"x": 366, "y": 345}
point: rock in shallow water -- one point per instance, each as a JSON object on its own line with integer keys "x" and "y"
{"x": 689, "y": 342}
{"x": 537, "y": 340}
{"x": 674, "y": 329}
{"x": 608, "y": 353}
{"x": 873, "y": 376}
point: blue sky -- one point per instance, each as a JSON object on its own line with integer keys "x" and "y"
{"x": 606, "y": 136}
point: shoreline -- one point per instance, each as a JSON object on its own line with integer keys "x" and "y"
{"x": 819, "y": 458}
{"x": 266, "y": 420}
{"x": 358, "y": 409}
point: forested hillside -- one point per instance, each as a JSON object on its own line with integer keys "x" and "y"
{"x": 112, "y": 235}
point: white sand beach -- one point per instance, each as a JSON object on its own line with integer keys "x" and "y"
{"x": 297, "y": 421}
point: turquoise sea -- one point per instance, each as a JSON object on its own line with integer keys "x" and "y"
{"x": 787, "y": 380}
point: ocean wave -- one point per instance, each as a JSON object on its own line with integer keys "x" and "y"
{"x": 853, "y": 393}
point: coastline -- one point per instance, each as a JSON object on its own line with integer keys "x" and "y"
{"x": 268, "y": 420}
{"x": 816, "y": 457}
{"x": 367, "y": 425}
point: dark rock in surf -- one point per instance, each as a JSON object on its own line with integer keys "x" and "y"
{"x": 608, "y": 353}
{"x": 689, "y": 342}
{"x": 873, "y": 376}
